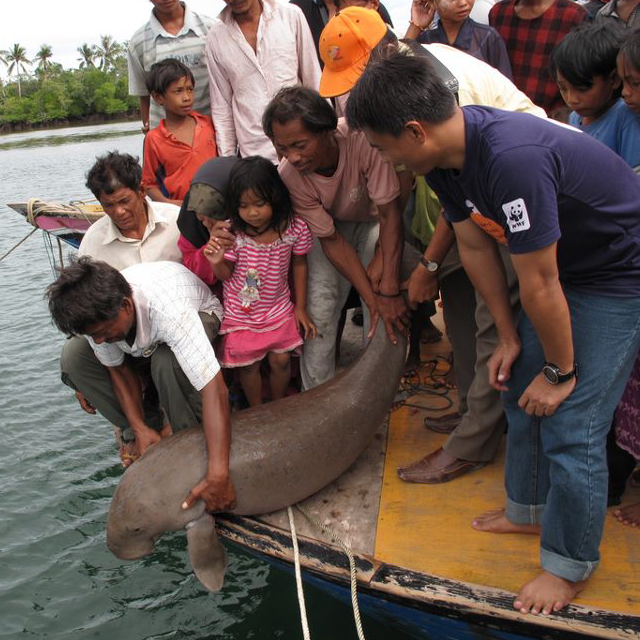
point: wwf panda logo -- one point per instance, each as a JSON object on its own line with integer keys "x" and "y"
{"x": 517, "y": 215}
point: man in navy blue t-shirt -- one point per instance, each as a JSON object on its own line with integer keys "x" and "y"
{"x": 568, "y": 209}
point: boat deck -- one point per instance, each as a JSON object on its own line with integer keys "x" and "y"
{"x": 426, "y": 529}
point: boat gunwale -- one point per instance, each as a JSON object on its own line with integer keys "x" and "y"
{"x": 480, "y": 604}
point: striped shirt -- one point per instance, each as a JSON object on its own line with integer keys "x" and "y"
{"x": 257, "y": 294}
{"x": 151, "y": 43}
{"x": 167, "y": 298}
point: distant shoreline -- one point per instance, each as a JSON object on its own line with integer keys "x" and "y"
{"x": 61, "y": 123}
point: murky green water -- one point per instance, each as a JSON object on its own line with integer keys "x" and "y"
{"x": 59, "y": 467}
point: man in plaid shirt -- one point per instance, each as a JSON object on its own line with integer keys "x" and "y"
{"x": 531, "y": 29}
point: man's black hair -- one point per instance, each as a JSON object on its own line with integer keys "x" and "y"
{"x": 299, "y": 103}
{"x": 261, "y": 176}
{"x": 163, "y": 73}
{"x": 586, "y": 52}
{"x": 86, "y": 292}
{"x": 395, "y": 91}
{"x": 630, "y": 48}
{"x": 112, "y": 172}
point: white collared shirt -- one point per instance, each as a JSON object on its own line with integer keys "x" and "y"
{"x": 167, "y": 298}
{"x": 243, "y": 81}
{"x": 104, "y": 241}
{"x": 151, "y": 43}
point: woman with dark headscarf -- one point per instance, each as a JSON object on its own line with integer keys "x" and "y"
{"x": 202, "y": 214}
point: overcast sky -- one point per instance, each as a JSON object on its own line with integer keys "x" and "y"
{"x": 65, "y": 24}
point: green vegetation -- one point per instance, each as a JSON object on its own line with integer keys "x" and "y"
{"x": 53, "y": 95}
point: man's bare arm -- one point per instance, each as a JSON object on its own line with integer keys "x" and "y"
{"x": 145, "y": 107}
{"x": 392, "y": 309}
{"x": 422, "y": 285}
{"x": 345, "y": 259}
{"x": 128, "y": 390}
{"x": 216, "y": 488}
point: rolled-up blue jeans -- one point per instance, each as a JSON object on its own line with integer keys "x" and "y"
{"x": 556, "y": 469}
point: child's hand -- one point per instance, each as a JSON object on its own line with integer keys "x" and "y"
{"x": 220, "y": 235}
{"x": 305, "y": 325}
{"x": 213, "y": 251}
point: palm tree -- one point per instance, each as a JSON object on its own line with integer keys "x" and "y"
{"x": 107, "y": 51}
{"x": 17, "y": 59}
{"x": 87, "y": 55}
{"x": 43, "y": 57}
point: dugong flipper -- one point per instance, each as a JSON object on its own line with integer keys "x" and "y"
{"x": 207, "y": 554}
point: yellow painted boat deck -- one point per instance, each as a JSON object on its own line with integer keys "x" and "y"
{"x": 427, "y": 528}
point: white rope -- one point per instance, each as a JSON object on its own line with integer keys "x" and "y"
{"x": 352, "y": 564}
{"x": 37, "y": 207}
{"x": 296, "y": 559}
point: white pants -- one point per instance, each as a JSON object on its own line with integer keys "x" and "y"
{"x": 327, "y": 293}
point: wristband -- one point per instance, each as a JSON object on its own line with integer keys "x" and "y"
{"x": 416, "y": 25}
{"x": 388, "y": 295}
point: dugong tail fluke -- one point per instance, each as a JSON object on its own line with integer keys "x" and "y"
{"x": 207, "y": 554}
{"x": 281, "y": 452}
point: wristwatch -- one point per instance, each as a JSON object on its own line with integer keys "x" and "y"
{"x": 553, "y": 375}
{"x": 431, "y": 266}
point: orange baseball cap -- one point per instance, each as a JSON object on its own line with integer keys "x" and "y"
{"x": 345, "y": 46}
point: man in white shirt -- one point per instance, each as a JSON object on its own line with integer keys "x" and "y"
{"x": 160, "y": 317}
{"x": 135, "y": 229}
{"x": 253, "y": 49}
{"x": 173, "y": 31}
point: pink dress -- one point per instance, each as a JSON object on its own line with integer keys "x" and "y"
{"x": 258, "y": 311}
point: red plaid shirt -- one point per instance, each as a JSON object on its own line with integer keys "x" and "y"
{"x": 529, "y": 45}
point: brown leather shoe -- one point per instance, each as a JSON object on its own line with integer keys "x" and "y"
{"x": 443, "y": 424}
{"x": 428, "y": 471}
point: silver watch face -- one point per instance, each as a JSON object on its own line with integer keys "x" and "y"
{"x": 550, "y": 374}
{"x": 432, "y": 266}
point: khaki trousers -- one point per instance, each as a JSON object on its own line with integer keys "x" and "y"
{"x": 473, "y": 336}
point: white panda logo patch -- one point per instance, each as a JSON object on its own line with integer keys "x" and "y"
{"x": 517, "y": 215}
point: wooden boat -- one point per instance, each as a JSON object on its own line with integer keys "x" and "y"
{"x": 421, "y": 567}
{"x": 66, "y": 222}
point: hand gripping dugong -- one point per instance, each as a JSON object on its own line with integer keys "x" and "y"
{"x": 281, "y": 452}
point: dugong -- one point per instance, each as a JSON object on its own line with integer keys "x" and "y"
{"x": 281, "y": 452}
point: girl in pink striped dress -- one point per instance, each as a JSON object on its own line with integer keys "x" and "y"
{"x": 260, "y": 320}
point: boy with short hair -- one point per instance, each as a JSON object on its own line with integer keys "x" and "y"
{"x": 584, "y": 66}
{"x": 182, "y": 141}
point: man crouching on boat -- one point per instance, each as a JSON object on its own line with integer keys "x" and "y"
{"x": 156, "y": 319}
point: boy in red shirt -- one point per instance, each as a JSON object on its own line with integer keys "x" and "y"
{"x": 182, "y": 141}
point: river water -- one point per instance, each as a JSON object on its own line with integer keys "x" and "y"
{"x": 59, "y": 466}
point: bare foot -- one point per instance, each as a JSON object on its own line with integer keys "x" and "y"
{"x": 128, "y": 451}
{"x": 497, "y": 522}
{"x": 629, "y": 515}
{"x": 547, "y": 593}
